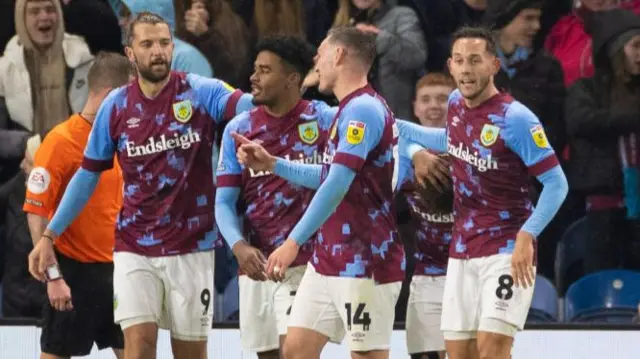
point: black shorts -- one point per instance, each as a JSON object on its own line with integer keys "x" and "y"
{"x": 73, "y": 333}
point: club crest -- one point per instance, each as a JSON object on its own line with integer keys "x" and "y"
{"x": 308, "y": 132}
{"x": 183, "y": 111}
{"x": 489, "y": 135}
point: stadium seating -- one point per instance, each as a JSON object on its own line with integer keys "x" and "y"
{"x": 610, "y": 296}
{"x": 544, "y": 306}
{"x": 570, "y": 255}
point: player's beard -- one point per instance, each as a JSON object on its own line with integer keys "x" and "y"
{"x": 483, "y": 82}
{"x": 148, "y": 74}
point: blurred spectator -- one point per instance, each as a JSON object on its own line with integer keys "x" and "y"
{"x": 222, "y": 36}
{"x": 23, "y": 296}
{"x": 400, "y": 47}
{"x": 532, "y": 77}
{"x": 432, "y": 99}
{"x": 287, "y": 17}
{"x": 603, "y": 122}
{"x": 185, "y": 57}
{"x": 440, "y": 18}
{"x": 43, "y": 78}
{"x": 102, "y": 32}
{"x": 569, "y": 42}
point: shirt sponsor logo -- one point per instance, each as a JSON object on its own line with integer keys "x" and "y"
{"x": 355, "y": 132}
{"x": 39, "y": 180}
{"x": 489, "y": 135}
{"x": 315, "y": 158}
{"x": 472, "y": 157}
{"x": 539, "y": 137}
{"x": 434, "y": 217}
{"x": 153, "y": 146}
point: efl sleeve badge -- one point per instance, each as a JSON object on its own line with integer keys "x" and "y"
{"x": 355, "y": 132}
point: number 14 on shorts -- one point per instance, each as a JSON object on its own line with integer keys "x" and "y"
{"x": 357, "y": 317}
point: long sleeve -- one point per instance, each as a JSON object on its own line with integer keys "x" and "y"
{"x": 227, "y": 215}
{"x": 75, "y": 197}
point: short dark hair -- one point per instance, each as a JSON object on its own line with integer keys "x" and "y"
{"x": 144, "y": 17}
{"x": 293, "y": 50}
{"x": 481, "y": 33}
{"x": 109, "y": 70}
{"x": 362, "y": 43}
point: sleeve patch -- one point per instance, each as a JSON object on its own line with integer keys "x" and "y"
{"x": 39, "y": 180}
{"x": 539, "y": 137}
{"x": 227, "y": 86}
{"x": 355, "y": 132}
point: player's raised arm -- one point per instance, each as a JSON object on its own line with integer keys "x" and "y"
{"x": 222, "y": 101}
{"x": 360, "y": 128}
{"x": 254, "y": 156}
{"x": 429, "y": 137}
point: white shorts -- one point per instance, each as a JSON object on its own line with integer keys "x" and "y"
{"x": 264, "y": 310}
{"x": 479, "y": 295}
{"x": 175, "y": 292}
{"x": 335, "y": 306}
{"x": 424, "y": 313}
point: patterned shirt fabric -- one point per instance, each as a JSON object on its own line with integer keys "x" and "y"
{"x": 494, "y": 149}
{"x": 273, "y": 204}
{"x": 164, "y": 147}
{"x": 360, "y": 239}
{"x": 433, "y": 230}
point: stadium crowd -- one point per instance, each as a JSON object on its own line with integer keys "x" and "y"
{"x": 564, "y": 60}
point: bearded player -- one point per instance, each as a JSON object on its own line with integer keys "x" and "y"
{"x": 162, "y": 127}
{"x": 495, "y": 144}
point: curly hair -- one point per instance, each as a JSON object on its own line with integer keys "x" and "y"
{"x": 294, "y": 51}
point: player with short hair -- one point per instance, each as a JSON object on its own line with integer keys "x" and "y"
{"x": 495, "y": 144}
{"x": 162, "y": 127}
{"x": 430, "y": 206}
{"x": 289, "y": 127}
{"x": 354, "y": 276}
{"x": 80, "y": 307}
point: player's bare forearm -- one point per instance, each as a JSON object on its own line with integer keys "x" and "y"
{"x": 37, "y": 225}
{"x": 324, "y": 202}
{"x": 302, "y": 174}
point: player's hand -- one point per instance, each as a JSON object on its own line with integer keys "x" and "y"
{"x": 311, "y": 80}
{"x": 251, "y": 260}
{"x": 280, "y": 260}
{"x": 522, "y": 261}
{"x": 431, "y": 168}
{"x": 253, "y": 155}
{"x": 40, "y": 258}
{"x": 59, "y": 295}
